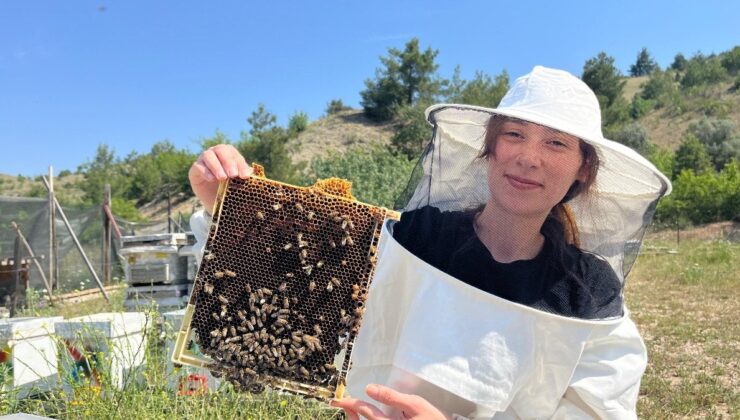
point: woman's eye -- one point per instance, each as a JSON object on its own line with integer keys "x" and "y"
{"x": 557, "y": 143}
{"x": 514, "y": 134}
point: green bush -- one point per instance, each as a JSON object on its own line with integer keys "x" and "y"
{"x": 335, "y": 106}
{"x": 412, "y": 132}
{"x": 640, "y": 107}
{"x": 703, "y": 198}
{"x": 701, "y": 70}
{"x": 298, "y": 123}
{"x": 715, "y": 108}
{"x": 720, "y": 138}
{"x": 731, "y": 60}
{"x": 661, "y": 88}
{"x": 377, "y": 175}
{"x": 691, "y": 155}
{"x": 635, "y": 136}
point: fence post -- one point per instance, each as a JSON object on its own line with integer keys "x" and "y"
{"x": 53, "y": 262}
{"x": 106, "y": 255}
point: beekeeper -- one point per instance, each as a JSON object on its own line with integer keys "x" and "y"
{"x": 499, "y": 293}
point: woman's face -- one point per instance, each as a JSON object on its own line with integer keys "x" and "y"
{"x": 532, "y": 168}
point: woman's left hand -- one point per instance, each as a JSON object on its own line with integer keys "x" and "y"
{"x": 410, "y": 406}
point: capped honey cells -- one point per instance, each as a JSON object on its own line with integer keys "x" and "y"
{"x": 280, "y": 295}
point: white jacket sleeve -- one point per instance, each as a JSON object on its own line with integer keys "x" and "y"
{"x": 606, "y": 381}
{"x": 200, "y": 224}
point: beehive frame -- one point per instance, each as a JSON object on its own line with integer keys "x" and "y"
{"x": 280, "y": 292}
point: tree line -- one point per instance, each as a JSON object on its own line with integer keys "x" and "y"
{"x": 705, "y": 164}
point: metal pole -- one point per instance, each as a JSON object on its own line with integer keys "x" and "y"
{"x": 106, "y": 236}
{"x": 16, "y": 275}
{"x": 169, "y": 212}
{"x": 33, "y": 258}
{"x": 52, "y": 230}
{"x": 77, "y": 244}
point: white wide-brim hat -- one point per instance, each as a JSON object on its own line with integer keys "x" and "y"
{"x": 611, "y": 218}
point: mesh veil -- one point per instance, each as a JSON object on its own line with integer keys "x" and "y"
{"x": 611, "y": 218}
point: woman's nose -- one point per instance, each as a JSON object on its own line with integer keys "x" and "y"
{"x": 529, "y": 156}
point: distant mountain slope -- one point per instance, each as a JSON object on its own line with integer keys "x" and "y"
{"x": 666, "y": 128}
{"x": 338, "y": 132}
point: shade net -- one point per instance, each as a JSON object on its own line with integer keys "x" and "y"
{"x": 32, "y": 217}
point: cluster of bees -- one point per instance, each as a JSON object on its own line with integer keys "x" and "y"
{"x": 280, "y": 293}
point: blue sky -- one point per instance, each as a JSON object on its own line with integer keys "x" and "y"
{"x": 74, "y": 74}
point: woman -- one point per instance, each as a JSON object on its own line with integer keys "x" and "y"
{"x": 497, "y": 311}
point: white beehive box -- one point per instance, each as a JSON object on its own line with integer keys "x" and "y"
{"x": 166, "y": 297}
{"x": 154, "y": 264}
{"x": 28, "y": 359}
{"x": 189, "y": 253}
{"x": 184, "y": 379}
{"x": 102, "y": 348}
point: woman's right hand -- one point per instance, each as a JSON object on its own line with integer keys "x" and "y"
{"x": 216, "y": 164}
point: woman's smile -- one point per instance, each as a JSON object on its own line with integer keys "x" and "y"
{"x": 522, "y": 183}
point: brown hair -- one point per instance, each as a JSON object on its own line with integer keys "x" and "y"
{"x": 560, "y": 225}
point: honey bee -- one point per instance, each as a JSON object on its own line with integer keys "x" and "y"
{"x": 209, "y": 257}
{"x": 287, "y": 246}
{"x": 317, "y": 329}
{"x": 219, "y": 274}
{"x": 230, "y": 273}
{"x": 208, "y": 288}
{"x": 336, "y": 281}
{"x": 320, "y": 264}
{"x": 329, "y": 287}
{"x": 299, "y": 206}
{"x": 344, "y": 262}
{"x": 289, "y": 275}
{"x": 349, "y": 240}
{"x": 310, "y": 215}
{"x": 277, "y": 206}
{"x": 311, "y": 286}
{"x": 223, "y": 300}
{"x": 260, "y": 215}
{"x": 283, "y": 287}
{"x": 307, "y": 269}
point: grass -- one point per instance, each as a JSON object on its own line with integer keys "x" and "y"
{"x": 686, "y": 305}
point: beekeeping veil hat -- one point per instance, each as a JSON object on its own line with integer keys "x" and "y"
{"x": 611, "y": 218}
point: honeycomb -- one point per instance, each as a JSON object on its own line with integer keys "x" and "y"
{"x": 280, "y": 292}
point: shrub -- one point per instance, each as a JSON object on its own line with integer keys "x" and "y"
{"x": 720, "y": 138}
{"x": 298, "y": 123}
{"x": 377, "y": 175}
{"x": 701, "y": 70}
{"x": 635, "y": 136}
{"x": 335, "y": 106}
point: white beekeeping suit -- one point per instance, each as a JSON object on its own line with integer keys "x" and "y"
{"x": 476, "y": 355}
